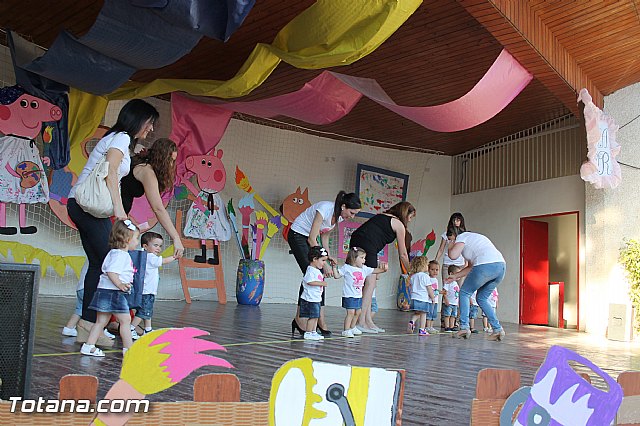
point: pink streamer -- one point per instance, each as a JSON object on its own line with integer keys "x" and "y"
{"x": 199, "y": 126}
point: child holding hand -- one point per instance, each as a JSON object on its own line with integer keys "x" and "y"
{"x": 354, "y": 272}
{"x": 312, "y": 287}
{"x": 422, "y": 295}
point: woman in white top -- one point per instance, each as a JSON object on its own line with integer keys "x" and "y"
{"x": 484, "y": 271}
{"x": 135, "y": 121}
{"x": 315, "y": 221}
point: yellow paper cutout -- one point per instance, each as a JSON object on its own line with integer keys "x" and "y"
{"x": 24, "y": 253}
{"x": 350, "y": 30}
{"x": 358, "y": 393}
{"x": 143, "y": 368}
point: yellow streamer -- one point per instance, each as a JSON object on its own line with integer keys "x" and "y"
{"x": 24, "y": 253}
{"x": 349, "y": 31}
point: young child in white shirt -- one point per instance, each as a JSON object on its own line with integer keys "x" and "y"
{"x": 313, "y": 284}
{"x": 354, "y": 272}
{"x": 450, "y": 301}
{"x": 422, "y": 294}
{"x": 151, "y": 243}
{"x": 434, "y": 271}
{"x": 493, "y": 302}
{"x": 115, "y": 282}
{"x": 473, "y": 312}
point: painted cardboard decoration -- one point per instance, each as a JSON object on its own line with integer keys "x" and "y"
{"x": 560, "y": 396}
{"x": 207, "y": 217}
{"x": 22, "y": 175}
{"x": 304, "y": 391}
{"x": 421, "y": 247}
{"x": 158, "y": 361}
{"x": 292, "y": 206}
{"x": 601, "y": 168}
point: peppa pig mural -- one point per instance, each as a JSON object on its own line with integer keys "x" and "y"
{"x": 206, "y": 218}
{"x": 22, "y": 176}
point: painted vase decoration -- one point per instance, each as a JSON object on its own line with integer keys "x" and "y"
{"x": 250, "y": 282}
{"x": 404, "y": 293}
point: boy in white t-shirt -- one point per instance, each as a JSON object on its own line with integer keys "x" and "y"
{"x": 152, "y": 243}
{"x": 450, "y": 301}
{"x": 313, "y": 285}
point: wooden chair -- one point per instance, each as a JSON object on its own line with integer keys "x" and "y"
{"x": 493, "y": 388}
{"x": 78, "y": 386}
{"x": 213, "y": 387}
{"x": 629, "y": 411}
{"x": 183, "y": 263}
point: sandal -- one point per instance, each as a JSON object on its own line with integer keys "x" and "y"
{"x": 91, "y": 350}
{"x": 411, "y": 327}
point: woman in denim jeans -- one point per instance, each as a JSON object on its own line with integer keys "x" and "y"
{"x": 484, "y": 271}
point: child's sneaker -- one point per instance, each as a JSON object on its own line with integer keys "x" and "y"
{"x": 356, "y": 331}
{"x": 134, "y": 334}
{"x": 71, "y": 332}
{"x": 423, "y": 332}
{"x": 486, "y": 329}
{"x": 432, "y": 330}
{"x": 411, "y": 327}
{"x": 147, "y": 331}
{"x": 91, "y": 350}
{"x": 474, "y": 331}
{"x": 108, "y": 335}
{"x": 124, "y": 351}
{"x": 318, "y": 335}
{"x": 448, "y": 330}
{"x": 312, "y": 335}
{"x": 347, "y": 333}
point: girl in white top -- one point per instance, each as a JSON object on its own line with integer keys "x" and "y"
{"x": 422, "y": 295}
{"x": 493, "y": 302}
{"x": 114, "y": 283}
{"x": 485, "y": 270}
{"x": 312, "y": 289}
{"x": 354, "y": 272}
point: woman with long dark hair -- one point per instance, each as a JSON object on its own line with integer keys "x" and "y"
{"x": 315, "y": 221}
{"x": 372, "y": 236}
{"x": 135, "y": 120}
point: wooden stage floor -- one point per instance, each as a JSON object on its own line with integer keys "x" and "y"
{"x": 441, "y": 371}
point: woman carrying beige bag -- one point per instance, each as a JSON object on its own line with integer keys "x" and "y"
{"x": 135, "y": 121}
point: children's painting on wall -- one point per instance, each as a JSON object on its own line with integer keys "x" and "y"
{"x": 345, "y": 229}
{"x": 379, "y": 189}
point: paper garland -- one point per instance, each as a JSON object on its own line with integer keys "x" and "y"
{"x": 24, "y": 253}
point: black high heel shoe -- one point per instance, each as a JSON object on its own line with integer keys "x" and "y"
{"x": 294, "y": 327}
{"x": 325, "y": 333}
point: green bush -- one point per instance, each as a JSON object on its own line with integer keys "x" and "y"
{"x": 630, "y": 259}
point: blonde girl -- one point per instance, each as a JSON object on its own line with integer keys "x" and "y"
{"x": 354, "y": 272}
{"x": 115, "y": 282}
{"x": 422, "y": 295}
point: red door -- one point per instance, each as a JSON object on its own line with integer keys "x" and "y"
{"x": 534, "y": 285}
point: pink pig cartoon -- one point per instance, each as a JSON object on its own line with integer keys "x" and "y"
{"x": 22, "y": 177}
{"x": 206, "y": 218}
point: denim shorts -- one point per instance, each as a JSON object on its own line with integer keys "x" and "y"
{"x": 114, "y": 301}
{"x": 449, "y": 310}
{"x": 473, "y": 311}
{"x": 420, "y": 306}
{"x": 79, "y": 296}
{"x": 145, "y": 311}
{"x": 352, "y": 303}
{"x": 433, "y": 313}
{"x": 309, "y": 309}
{"x": 374, "y": 305}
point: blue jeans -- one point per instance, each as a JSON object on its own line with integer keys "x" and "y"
{"x": 483, "y": 278}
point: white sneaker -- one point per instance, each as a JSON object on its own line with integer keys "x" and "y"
{"x": 134, "y": 334}
{"x": 486, "y": 330}
{"x": 367, "y": 330}
{"x": 312, "y": 335}
{"x": 347, "y": 333}
{"x": 108, "y": 335}
{"x": 71, "y": 332}
{"x": 318, "y": 336}
{"x": 432, "y": 330}
{"x": 124, "y": 351}
{"x": 379, "y": 330}
{"x": 91, "y": 350}
{"x": 356, "y": 331}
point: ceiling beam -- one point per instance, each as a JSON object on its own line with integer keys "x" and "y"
{"x": 534, "y": 45}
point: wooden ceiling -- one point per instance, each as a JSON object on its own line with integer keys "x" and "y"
{"x": 438, "y": 55}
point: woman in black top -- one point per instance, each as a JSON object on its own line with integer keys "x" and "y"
{"x": 152, "y": 174}
{"x": 372, "y": 236}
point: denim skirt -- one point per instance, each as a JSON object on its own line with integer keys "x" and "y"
{"x": 114, "y": 301}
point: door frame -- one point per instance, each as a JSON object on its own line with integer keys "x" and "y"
{"x": 522, "y": 219}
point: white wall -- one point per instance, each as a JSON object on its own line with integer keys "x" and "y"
{"x": 496, "y": 213}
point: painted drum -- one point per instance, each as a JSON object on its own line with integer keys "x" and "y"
{"x": 404, "y": 293}
{"x": 250, "y": 282}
